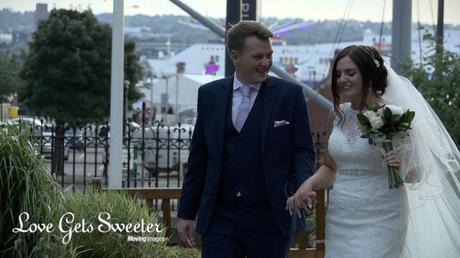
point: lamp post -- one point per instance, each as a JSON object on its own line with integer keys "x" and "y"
{"x": 180, "y": 69}
{"x": 150, "y": 81}
{"x": 314, "y": 77}
{"x": 1, "y": 105}
{"x": 233, "y": 16}
{"x": 116, "y": 96}
{"x": 440, "y": 27}
{"x": 125, "y": 105}
{"x": 165, "y": 96}
{"x": 177, "y": 95}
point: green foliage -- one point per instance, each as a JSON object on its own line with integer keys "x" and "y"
{"x": 9, "y": 76}
{"x": 363, "y": 120}
{"x": 384, "y": 123}
{"x": 67, "y": 69}
{"x": 25, "y": 185}
{"x": 11, "y": 20}
{"x": 133, "y": 72}
{"x": 440, "y": 88}
{"x": 122, "y": 209}
{"x": 394, "y": 123}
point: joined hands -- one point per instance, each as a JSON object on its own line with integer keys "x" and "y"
{"x": 301, "y": 200}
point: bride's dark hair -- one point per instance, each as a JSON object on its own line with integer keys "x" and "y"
{"x": 370, "y": 64}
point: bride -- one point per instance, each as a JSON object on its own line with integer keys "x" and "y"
{"x": 366, "y": 218}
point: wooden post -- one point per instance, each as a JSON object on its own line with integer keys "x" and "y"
{"x": 150, "y": 194}
{"x": 320, "y": 224}
{"x": 97, "y": 183}
{"x": 166, "y": 209}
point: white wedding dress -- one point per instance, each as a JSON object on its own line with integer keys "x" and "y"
{"x": 364, "y": 218}
{"x": 367, "y": 219}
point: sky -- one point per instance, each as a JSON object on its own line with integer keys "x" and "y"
{"x": 424, "y": 11}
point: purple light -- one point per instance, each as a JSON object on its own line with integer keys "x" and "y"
{"x": 299, "y": 26}
{"x": 211, "y": 68}
{"x": 281, "y": 26}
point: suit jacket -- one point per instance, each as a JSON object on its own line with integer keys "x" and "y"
{"x": 287, "y": 150}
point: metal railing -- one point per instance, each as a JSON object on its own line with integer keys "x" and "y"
{"x": 154, "y": 155}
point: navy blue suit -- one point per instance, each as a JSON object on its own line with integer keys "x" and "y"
{"x": 266, "y": 162}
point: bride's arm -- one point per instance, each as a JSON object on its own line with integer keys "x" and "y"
{"x": 322, "y": 179}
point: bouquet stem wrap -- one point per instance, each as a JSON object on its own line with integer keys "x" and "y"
{"x": 394, "y": 179}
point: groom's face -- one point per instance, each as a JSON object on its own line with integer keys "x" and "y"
{"x": 253, "y": 61}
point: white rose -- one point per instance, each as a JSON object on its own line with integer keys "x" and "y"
{"x": 370, "y": 114}
{"x": 396, "y": 110}
{"x": 376, "y": 123}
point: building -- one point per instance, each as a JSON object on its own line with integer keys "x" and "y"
{"x": 41, "y": 13}
{"x": 310, "y": 64}
{"x": 173, "y": 96}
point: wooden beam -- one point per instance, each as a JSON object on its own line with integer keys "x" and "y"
{"x": 152, "y": 193}
{"x": 167, "y": 194}
{"x": 297, "y": 253}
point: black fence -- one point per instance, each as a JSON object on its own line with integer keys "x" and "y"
{"x": 154, "y": 155}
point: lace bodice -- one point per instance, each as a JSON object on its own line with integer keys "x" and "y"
{"x": 346, "y": 146}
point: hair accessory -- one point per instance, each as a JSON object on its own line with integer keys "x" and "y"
{"x": 370, "y": 53}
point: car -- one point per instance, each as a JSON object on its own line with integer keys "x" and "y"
{"x": 166, "y": 148}
{"x": 172, "y": 150}
{"x": 47, "y": 139}
{"x": 74, "y": 138}
{"x": 41, "y": 132}
{"x": 103, "y": 130}
{"x": 33, "y": 124}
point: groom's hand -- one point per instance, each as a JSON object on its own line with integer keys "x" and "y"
{"x": 186, "y": 232}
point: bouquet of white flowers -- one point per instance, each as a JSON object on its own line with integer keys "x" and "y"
{"x": 381, "y": 125}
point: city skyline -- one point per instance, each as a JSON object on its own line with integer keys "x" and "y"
{"x": 424, "y": 11}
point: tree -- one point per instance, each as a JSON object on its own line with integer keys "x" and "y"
{"x": 133, "y": 72}
{"x": 9, "y": 76}
{"x": 439, "y": 82}
{"x": 67, "y": 72}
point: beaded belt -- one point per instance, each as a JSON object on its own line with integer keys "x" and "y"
{"x": 359, "y": 172}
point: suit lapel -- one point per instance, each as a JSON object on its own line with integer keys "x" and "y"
{"x": 269, "y": 98}
{"x": 222, "y": 111}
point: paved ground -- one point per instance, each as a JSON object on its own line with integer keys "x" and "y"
{"x": 89, "y": 166}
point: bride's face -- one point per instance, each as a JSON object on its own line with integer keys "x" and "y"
{"x": 349, "y": 81}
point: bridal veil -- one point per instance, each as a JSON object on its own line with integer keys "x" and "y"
{"x": 431, "y": 168}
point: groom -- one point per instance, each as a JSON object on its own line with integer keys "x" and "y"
{"x": 251, "y": 149}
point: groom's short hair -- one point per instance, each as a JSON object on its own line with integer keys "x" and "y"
{"x": 238, "y": 33}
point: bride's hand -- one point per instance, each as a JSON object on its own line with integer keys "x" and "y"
{"x": 301, "y": 199}
{"x": 392, "y": 159}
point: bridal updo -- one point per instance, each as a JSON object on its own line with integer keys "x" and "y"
{"x": 370, "y": 64}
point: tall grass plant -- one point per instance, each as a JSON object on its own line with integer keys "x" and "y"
{"x": 26, "y": 186}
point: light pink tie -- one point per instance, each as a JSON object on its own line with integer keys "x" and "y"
{"x": 243, "y": 109}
